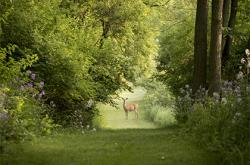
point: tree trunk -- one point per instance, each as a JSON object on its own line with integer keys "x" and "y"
{"x": 215, "y": 48}
{"x": 200, "y": 46}
{"x": 229, "y": 38}
{"x": 225, "y": 17}
{"x": 105, "y": 31}
{"x": 226, "y": 12}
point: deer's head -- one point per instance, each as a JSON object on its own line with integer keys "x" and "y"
{"x": 124, "y": 99}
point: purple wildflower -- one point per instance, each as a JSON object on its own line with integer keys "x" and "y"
{"x": 33, "y": 76}
{"x": 30, "y": 84}
{"x": 42, "y": 93}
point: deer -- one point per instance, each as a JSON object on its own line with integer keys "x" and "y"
{"x": 129, "y": 108}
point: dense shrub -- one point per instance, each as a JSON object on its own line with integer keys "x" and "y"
{"x": 22, "y": 113}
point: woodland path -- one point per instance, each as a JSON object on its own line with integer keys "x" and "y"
{"x": 123, "y": 142}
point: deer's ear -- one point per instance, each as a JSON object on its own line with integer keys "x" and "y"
{"x": 126, "y": 98}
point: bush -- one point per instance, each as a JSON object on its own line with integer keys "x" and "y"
{"x": 22, "y": 113}
{"x": 223, "y": 127}
{"x": 162, "y": 116}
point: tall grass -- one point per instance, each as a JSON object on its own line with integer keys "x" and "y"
{"x": 162, "y": 116}
{"x": 158, "y": 104}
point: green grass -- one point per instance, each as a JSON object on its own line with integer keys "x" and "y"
{"x": 110, "y": 147}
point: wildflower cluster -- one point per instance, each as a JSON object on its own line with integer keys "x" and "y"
{"x": 31, "y": 86}
{"x": 221, "y": 121}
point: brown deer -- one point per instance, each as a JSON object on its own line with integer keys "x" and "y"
{"x": 129, "y": 108}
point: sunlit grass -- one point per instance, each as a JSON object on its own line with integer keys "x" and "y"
{"x": 114, "y": 118}
{"x": 110, "y": 147}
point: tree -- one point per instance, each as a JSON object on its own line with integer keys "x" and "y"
{"x": 200, "y": 45}
{"x": 215, "y": 47}
{"x": 225, "y": 17}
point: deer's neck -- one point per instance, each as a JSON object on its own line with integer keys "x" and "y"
{"x": 124, "y": 105}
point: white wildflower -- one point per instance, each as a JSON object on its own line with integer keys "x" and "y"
{"x": 223, "y": 100}
{"x": 237, "y": 114}
{"x": 90, "y": 103}
{"x": 182, "y": 90}
{"x": 226, "y": 83}
{"x": 87, "y": 126}
{"x": 186, "y": 86}
{"x": 239, "y": 100}
{"x": 94, "y": 129}
{"x": 243, "y": 61}
{"x": 237, "y": 90}
{"x": 216, "y": 95}
{"x": 240, "y": 75}
{"x": 247, "y": 52}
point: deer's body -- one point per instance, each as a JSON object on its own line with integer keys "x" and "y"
{"x": 129, "y": 108}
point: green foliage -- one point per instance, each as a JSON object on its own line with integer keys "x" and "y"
{"x": 176, "y": 46}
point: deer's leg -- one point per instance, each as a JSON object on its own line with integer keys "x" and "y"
{"x": 126, "y": 115}
{"x": 136, "y": 114}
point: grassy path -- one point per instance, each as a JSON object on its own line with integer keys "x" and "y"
{"x": 110, "y": 147}
{"x": 114, "y": 145}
